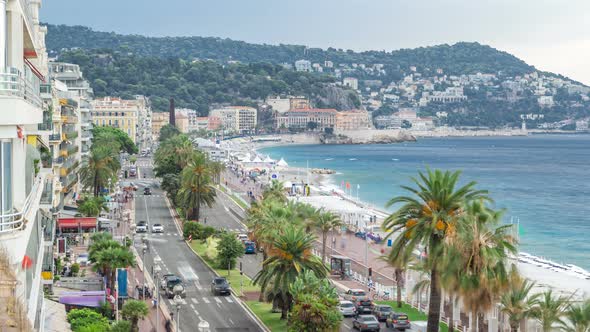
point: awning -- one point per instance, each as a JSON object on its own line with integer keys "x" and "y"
{"x": 89, "y": 222}
{"x": 83, "y": 299}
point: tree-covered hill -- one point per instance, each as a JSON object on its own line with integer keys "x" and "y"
{"x": 460, "y": 58}
{"x": 199, "y": 84}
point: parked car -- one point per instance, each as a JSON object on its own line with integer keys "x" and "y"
{"x": 157, "y": 228}
{"x": 242, "y": 237}
{"x": 363, "y": 306}
{"x": 171, "y": 282}
{"x": 164, "y": 280}
{"x": 249, "y": 247}
{"x": 398, "y": 321}
{"x": 375, "y": 237}
{"x": 82, "y": 259}
{"x": 141, "y": 227}
{"x": 361, "y": 235}
{"x": 354, "y": 294}
{"x": 220, "y": 286}
{"x": 147, "y": 191}
{"x": 366, "y": 323}
{"x": 347, "y": 308}
{"x": 382, "y": 311}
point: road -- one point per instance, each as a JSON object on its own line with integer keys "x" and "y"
{"x": 222, "y": 313}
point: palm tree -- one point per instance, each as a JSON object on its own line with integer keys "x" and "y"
{"x": 326, "y": 222}
{"x": 101, "y": 166}
{"x": 134, "y": 310}
{"x": 112, "y": 258}
{"x": 196, "y": 188}
{"x": 275, "y": 191}
{"x": 578, "y": 317}
{"x": 400, "y": 264}
{"x": 427, "y": 220}
{"x": 290, "y": 256}
{"x": 518, "y": 303}
{"x": 550, "y": 310}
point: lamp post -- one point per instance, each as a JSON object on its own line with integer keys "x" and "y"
{"x": 203, "y": 326}
{"x": 157, "y": 270}
{"x": 178, "y": 302}
{"x": 143, "y": 251}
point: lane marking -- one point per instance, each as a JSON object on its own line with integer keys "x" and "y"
{"x": 186, "y": 271}
{"x": 195, "y": 301}
{"x": 229, "y": 300}
{"x": 206, "y": 300}
{"x": 217, "y": 299}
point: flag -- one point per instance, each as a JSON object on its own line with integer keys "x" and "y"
{"x": 347, "y": 185}
{"x": 342, "y": 184}
{"x": 27, "y": 262}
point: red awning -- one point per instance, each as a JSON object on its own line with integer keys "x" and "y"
{"x": 76, "y": 222}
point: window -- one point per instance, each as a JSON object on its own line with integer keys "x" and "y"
{"x": 103, "y": 122}
{"x": 129, "y": 122}
{"x": 110, "y": 122}
{"x": 6, "y": 178}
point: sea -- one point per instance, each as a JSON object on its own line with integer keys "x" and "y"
{"x": 541, "y": 181}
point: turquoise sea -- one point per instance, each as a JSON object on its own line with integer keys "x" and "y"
{"x": 544, "y": 180}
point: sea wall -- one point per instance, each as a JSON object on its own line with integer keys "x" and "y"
{"x": 369, "y": 136}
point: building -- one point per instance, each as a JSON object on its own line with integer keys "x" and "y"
{"x": 545, "y": 101}
{"x": 159, "y": 120}
{"x": 182, "y": 121}
{"x": 303, "y": 65}
{"x": 144, "y": 122}
{"x": 308, "y": 118}
{"x": 582, "y": 125}
{"x": 25, "y": 165}
{"x": 237, "y": 119}
{"x": 298, "y": 103}
{"x": 202, "y": 123}
{"x": 351, "y": 82}
{"x": 278, "y": 104}
{"x": 118, "y": 113}
{"x": 450, "y": 95}
{"x": 352, "y": 120}
{"x": 388, "y": 122}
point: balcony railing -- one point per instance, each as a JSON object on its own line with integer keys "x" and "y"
{"x": 69, "y": 119}
{"x": 71, "y": 135}
{"x": 16, "y": 84}
{"x": 12, "y": 222}
{"x": 55, "y": 138}
{"x": 59, "y": 160}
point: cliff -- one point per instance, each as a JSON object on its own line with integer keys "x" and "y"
{"x": 368, "y": 137}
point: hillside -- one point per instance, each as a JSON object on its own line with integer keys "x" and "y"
{"x": 460, "y": 58}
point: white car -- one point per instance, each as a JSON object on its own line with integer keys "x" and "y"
{"x": 347, "y": 308}
{"x": 243, "y": 237}
{"x": 82, "y": 259}
{"x": 157, "y": 228}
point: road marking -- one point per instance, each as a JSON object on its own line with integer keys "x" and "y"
{"x": 206, "y": 300}
{"x": 195, "y": 301}
{"x": 175, "y": 234}
{"x": 348, "y": 327}
{"x": 229, "y": 300}
{"x": 186, "y": 271}
{"x": 217, "y": 300}
{"x": 198, "y": 285}
{"x": 231, "y": 321}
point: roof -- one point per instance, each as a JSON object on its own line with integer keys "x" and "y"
{"x": 314, "y": 110}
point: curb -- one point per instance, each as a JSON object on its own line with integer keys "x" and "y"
{"x": 236, "y": 298}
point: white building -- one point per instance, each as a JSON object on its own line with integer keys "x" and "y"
{"x": 351, "y": 82}
{"x": 545, "y": 101}
{"x": 278, "y": 104}
{"x": 237, "y": 119}
{"x": 303, "y": 65}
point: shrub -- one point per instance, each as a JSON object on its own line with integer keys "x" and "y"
{"x": 229, "y": 249}
{"x": 191, "y": 228}
{"x": 75, "y": 269}
{"x": 87, "y": 320}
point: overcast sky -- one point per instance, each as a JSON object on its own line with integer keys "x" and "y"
{"x": 552, "y": 35}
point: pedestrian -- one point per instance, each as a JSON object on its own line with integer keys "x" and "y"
{"x": 168, "y": 325}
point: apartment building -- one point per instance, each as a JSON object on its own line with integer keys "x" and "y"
{"x": 352, "y": 120}
{"x": 282, "y": 105}
{"x": 237, "y": 119}
{"x": 159, "y": 120}
{"x": 308, "y": 118}
{"x": 144, "y": 122}
{"x": 118, "y": 113}
{"x": 25, "y": 167}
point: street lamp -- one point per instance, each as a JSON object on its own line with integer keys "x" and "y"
{"x": 203, "y": 326}
{"x": 157, "y": 270}
{"x": 177, "y": 290}
{"x": 143, "y": 251}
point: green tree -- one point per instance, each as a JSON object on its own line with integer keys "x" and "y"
{"x": 133, "y": 311}
{"x": 406, "y": 124}
{"x": 275, "y": 191}
{"x": 82, "y": 318}
{"x": 518, "y": 303}
{"x": 325, "y": 222}
{"x": 289, "y": 257}
{"x": 92, "y": 206}
{"x": 112, "y": 258}
{"x": 171, "y": 184}
{"x": 550, "y": 310}
{"x": 100, "y": 169}
{"x": 121, "y": 326}
{"x": 110, "y": 133}
{"x": 315, "y": 304}
{"x": 168, "y": 131}
{"x": 229, "y": 249}
{"x": 196, "y": 189}
{"x": 578, "y": 317}
{"x": 427, "y": 220}
{"x": 311, "y": 125}
{"x": 133, "y": 159}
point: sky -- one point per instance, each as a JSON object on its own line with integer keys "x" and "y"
{"x": 552, "y": 35}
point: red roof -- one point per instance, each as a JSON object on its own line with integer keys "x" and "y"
{"x": 81, "y": 222}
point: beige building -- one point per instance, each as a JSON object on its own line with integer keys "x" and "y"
{"x": 238, "y": 119}
{"x": 182, "y": 122}
{"x": 352, "y": 120}
{"x": 159, "y": 120}
{"x": 118, "y": 113}
{"x": 302, "y": 119}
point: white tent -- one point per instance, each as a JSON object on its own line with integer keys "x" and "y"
{"x": 257, "y": 160}
{"x": 287, "y": 184}
{"x": 268, "y": 160}
{"x": 282, "y": 163}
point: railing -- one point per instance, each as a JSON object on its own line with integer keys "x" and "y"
{"x": 13, "y": 222}
{"x": 71, "y": 135}
{"x": 69, "y": 119}
{"x": 58, "y": 160}
{"x": 55, "y": 137}
{"x": 16, "y": 84}
{"x": 47, "y": 194}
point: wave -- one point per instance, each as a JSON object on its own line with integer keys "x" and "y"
{"x": 352, "y": 159}
{"x": 328, "y": 159}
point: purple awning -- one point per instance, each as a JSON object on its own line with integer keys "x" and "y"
{"x": 83, "y": 299}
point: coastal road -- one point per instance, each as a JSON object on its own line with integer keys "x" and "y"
{"x": 223, "y": 313}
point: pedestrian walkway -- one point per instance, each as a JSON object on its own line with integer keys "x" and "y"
{"x": 149, "y": 323}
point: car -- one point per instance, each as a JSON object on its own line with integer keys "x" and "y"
{"x": 147, "y": 191}
{"x": 347, "y": 308}
{"x": 220, "y": 286}
{"x": 141, "y": 227}
{"x": 398, "y": 321}
{"x": 157, "y": 228}
{"x": 366, "y": 323}
{"x": 172, "y": 282}
{"x": 354, "y": 294}
{"x": 361, "y": 235}
{"x": 164, "y": 280}
{"x": 382, "y": 311}
{"x": 82, "y": 259}
{"x": 242, "y": 237}
{"x": 249, "y": 247}
{"x": 363, "y": 306}
{"x": 132, "y": 185}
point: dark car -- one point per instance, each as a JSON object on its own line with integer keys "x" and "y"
{"x": 363, "y": 306}
{"x": 172, "y": 282}
{"x": 398, "y": 321}
{"x": 366, "y": 323}
{"x": 249, "y": 247}
{"x": 361, "y": 235}
{"x": 382, "y": 311}
{"x": 147, "y": 191}
{"x": 220, "y": 286}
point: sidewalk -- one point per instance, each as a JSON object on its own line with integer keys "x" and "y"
{"x": 149, "y": 323}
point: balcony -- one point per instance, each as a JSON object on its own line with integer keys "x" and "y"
{"x": 47, "y": 194}
{"x": 58, "y": 161}
{"x": 12, "y": 222}
{"x": 71, "y": 135}
{"x": 14, "y": 83}
{"x": 69, "y": 119}
{"x": 55, "y": 138}
{"x": 68, "y": 182}
{"x": 68, "y": 167}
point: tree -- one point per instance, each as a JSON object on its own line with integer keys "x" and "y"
{"x": 92, "y": 206}
{"x": 311, "y": 125}
{"x": 133, "y": 159}
{"x": 289, "y": 257}
{"x": 325, "y": 222}
{"x": 550, "y": 310}
{"x": 171, "y": 184}
{"x": 168, "y": 131}
{"x": 112, "y": 258}
{"x": 578, "y": 317}
{"x": 121, "y": 326}
{"x": 133, "y": 311}
{"x": 101, "y": 133}
{"x": 86, "y": 318}
{"x": 427, "y": 220}
{"x": 315, "y": 304}
{"x": 400, "y": 264}
{"x": 275, "y": 191}
{"x": 229, "y": 249}
{"x": 196, "y": 189}
{"x": 100, "y": 169}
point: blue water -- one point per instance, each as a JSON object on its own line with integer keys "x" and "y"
{"x": 542, "y": 180}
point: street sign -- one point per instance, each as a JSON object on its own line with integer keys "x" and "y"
{"x": 274, "y": 176}
{"x": 389, "y": 242}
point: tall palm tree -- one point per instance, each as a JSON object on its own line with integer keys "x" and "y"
{"x": 550, "y": 310}
{"x": 275, "y": 191}
{"x": 101, "y": 166}
{"x": 196, "y": 185}
{"x": 427, "y": 219}
{"x": 518, "y": 303}
{"x": 290, "y": 256}
{"x": 112, "y": 258}
{"x": 400, "y": 264}
{"x": 578, "y": 317}
{"x": 325, "y": 222}
{"x": 133, "y": 311}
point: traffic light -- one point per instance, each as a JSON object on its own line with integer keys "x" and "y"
{"x": 370, "y": 272}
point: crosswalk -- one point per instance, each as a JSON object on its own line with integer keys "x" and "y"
{"x": 205, "y": 300}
